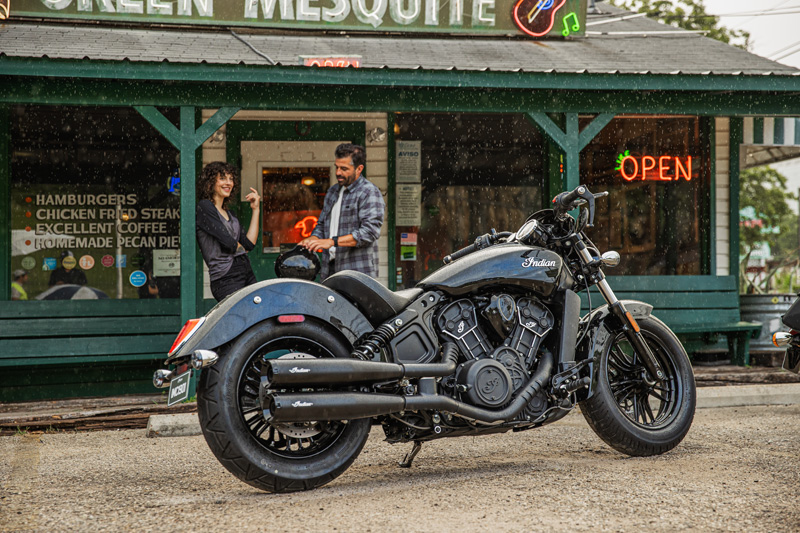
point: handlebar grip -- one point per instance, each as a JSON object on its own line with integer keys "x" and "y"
{"x": 565, "y": 199}
{"x": 459, "y": 254}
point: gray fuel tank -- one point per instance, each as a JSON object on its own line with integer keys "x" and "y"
{"x": 531, "y": 268}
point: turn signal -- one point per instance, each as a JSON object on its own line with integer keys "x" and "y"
{"x": 781, "y": 339}
{"x": 187, "y": 331}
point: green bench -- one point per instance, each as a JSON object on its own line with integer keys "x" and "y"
{"x": 699, "y": 309}
{"x": 52, "y": 349}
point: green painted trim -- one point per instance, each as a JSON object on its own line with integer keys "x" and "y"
{"x": 161, "y": 123}
{"x": 797, "y": 131}
{"x": 215, "y": 122}
{"x": 736, "y": 139}
{"x": 391, "y": 204}
{"x": 758, "y": 130}
{"x": 548, "y": 127}
{"x": 594, "y": 127}
{"x": 188, "y": 148}
{"x": 5, "y": 204}
{"x": 777, "y": 130}
{"x": 75, "y": 327}
{"x": 344, "y": 97}
{"x": 299, "y": 75}
{"x": 90, "y": 308}
{"x": 711, "y": 244}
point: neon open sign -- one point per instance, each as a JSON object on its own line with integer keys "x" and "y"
{"x": 660, "y": 168}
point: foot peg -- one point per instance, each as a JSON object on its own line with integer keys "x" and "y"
{"x": 409, "y": 458}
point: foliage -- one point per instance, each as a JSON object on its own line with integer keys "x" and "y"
{"x": 689, "y": 15}
{"x": 764, "y": 191}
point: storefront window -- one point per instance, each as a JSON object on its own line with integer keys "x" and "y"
{"x": 657, "y": 171}
{"x": 469, "y": 174}
{"x": 95, "y": 206}
{"x": 293, "y": 198}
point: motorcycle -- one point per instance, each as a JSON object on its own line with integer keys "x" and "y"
{"x": 790, "y": 340}
{"x": 296, "y": 373}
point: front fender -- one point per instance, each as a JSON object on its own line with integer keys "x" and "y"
{"x": 268, "y": 299}
{"x": 599, "y": 326}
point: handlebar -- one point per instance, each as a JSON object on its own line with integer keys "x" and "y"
{"x": 567, "y": 201}
{"x": 481, "y": 242}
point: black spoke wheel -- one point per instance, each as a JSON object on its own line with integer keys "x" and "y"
{"x": 631, "y": 411}
{"x": 281, "y": 457}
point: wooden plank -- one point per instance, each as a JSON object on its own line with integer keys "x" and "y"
{"x": 673, "y": 300}
{"x": 82, "y": 359}
{"x": 672, "y": 283}
{"x": 90, "y": 308}
{"x": 84, "y": 346}
{"x": 78, "y": 327}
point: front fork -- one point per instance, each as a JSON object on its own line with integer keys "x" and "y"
{"x": 632, "y": 330}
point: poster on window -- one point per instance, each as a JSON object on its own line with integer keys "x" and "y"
{"x": 408, "y": 161}
{"x": 408, "y": 201}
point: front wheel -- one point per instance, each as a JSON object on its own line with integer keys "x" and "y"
{"x": 633, "y": 413}
{"x": 273, "y": 457}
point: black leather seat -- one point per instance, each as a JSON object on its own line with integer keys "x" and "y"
{"x": 378, "y": 303}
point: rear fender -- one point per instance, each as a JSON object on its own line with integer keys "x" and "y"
{"x": 268, "y": 299}
{"x": 602, "y": 325}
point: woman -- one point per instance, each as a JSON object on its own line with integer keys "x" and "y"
{"x": 223, "y": 241}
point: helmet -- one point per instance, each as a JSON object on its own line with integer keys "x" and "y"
{"x": 298, "y": 263}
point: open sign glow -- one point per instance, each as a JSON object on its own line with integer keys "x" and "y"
{"x": 661, "y": 168}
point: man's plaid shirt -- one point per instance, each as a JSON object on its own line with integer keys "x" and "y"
{"x": 361, "y": 216}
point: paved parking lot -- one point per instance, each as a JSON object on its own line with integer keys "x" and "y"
{"x": 738, "y": 470}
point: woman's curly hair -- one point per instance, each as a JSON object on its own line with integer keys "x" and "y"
{"x": 208, "y": 179}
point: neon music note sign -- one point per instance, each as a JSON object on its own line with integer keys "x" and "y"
{"x": 575, "y": 24}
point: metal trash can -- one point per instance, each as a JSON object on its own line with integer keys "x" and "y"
{"x": 767, "y": 309}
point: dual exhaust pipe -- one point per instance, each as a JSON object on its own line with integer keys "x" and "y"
{"x": 288, "y": 407}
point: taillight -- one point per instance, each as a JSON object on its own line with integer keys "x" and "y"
{"x": 186, "y": 331}
{"x": 288, "y": 319}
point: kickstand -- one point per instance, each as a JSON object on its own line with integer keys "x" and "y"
{"x": 409, "y": 458}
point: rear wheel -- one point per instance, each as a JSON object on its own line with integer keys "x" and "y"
{"x": 279, "y": 457}
{"x": 630, "y": 411}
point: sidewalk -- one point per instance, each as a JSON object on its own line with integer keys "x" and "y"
{"x": 718, "y": 386}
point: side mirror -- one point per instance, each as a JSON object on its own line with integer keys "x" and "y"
{"x": 610, "y": 259}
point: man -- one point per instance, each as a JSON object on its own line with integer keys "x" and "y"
{"x": 67, "y": 274}
{"x": 350, "y": 223}
{"x": 17, "y": 291}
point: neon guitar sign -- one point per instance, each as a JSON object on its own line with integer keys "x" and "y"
{"x": 536, "y": 17}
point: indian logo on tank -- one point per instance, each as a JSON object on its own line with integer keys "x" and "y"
{"x": 534, "y": 262}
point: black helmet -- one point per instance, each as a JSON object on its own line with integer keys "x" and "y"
{"x": 298, "y": 263}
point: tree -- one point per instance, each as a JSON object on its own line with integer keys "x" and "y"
{"x": 767, "y": 217}
{"x": 689, "y": 15}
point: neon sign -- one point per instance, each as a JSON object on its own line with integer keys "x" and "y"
{"x": 306, "y": 226}
{"x": 647, "y": 167}
{"x": 337, "y": 62}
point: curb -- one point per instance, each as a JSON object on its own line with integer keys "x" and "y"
{"x": 188, "y": 424}
{"x": 743, "y": 395}
{"x": 178, "y": 425}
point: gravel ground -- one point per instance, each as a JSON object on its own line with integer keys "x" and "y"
{"x": 737, "y": 470}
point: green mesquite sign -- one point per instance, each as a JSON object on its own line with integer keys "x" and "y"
{"x": 534, "y": 18}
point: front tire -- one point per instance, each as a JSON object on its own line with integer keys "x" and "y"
{"x": 281, "y": 457}
{"x": 628, "y": 410}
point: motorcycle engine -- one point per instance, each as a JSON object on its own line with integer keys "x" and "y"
{"x": 492, "y": 372}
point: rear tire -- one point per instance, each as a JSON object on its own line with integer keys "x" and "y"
{"x": 283, "y": 457}
{"x": 630, "y": 412}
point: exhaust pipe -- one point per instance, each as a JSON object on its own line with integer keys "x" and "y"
{"x": 281, "y": 373}
{"x": 314, "y": 406}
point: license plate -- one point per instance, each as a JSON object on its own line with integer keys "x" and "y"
{"x": 179, "y": 388}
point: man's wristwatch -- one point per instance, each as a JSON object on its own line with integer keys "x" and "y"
{"x": 335, "y": 240}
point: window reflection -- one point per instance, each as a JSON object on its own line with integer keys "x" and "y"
{"x": 94, "y": 204}
{"x": 657, "y": 171}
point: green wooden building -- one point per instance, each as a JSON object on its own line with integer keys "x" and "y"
{"x": 472, "y": 118}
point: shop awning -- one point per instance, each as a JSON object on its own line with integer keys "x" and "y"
{"x": 612, "y": 46}
{"x": 770, "y": 140}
